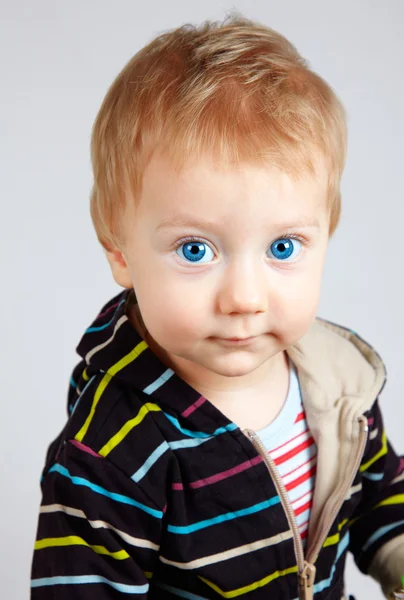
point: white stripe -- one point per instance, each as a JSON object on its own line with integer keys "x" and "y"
{"x": 301, "y": 500}
{"x": 353, "y": 490}
{"x": 297, "y": 429}
{"x": 397, "y": 479}
{"x": 300, "y": 519}
{"x": 300, "y": 471}
{"x": 291, "y": 444}
{"x": 75, "y": 512}
{"x": 228, "y": 554}
{"x": 303, "y": 528}
{"x": 96, "y": 349}
{"x": 295, "y": 462}
{"x": 301, "y": 489}
{"x": 373, "y": 433}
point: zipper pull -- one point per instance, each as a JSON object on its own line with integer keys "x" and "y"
{"x": 306, "y": 581}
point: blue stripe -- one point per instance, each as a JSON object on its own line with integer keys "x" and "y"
{"x": 325, "y": 583}
{"x": 373, "y": 476}
{"x": 72, "y": 382}
{"x": 184, "y": 529}
{"x": 158, "y": 452}
{"x": 380, "y": 532}
{"x": 159, "y": 382}
{"x": 100, "y": 490}
{"x": 178, "y": 592}
{"x": 79, "y": 579}
{"x": 154, "y": 456}
{"x": 200, "y": 434}
{"x": 81, "y": 393}
{"x": 342, "y": 546}
{"x": 187, "y": 443}
{"x": 101, "y": 327}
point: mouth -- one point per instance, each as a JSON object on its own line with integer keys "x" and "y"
{"x": 236, "y": 341}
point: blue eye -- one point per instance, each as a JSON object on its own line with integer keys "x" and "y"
{"x": 195, "y": 251}
{"x": 283, "y": 247}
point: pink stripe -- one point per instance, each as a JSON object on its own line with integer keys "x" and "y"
{"x": 85, "y": 448}
{"x": 219, "y": 476}
{"x": 107, "y": 311}
{"x": 177, "y": 487}
{"x": 193, "y": 407}
{"x": 370, "y": 421}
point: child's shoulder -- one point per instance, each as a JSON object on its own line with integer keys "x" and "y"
{"x": 113, "y": 422}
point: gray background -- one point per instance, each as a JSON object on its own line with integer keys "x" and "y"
{"x": 57, "y": 60}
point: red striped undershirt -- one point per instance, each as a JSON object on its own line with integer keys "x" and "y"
{"x": 294, "y": 452}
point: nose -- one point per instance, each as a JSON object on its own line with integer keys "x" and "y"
{"x": 243, "y": 289}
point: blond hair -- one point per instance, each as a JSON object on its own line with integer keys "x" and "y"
{"x": 237, "y": 90}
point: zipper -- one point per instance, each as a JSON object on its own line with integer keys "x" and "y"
{"x": 306, "y": 571}
{"x": 306, "y": 567}
{"x": 330, "y": 514}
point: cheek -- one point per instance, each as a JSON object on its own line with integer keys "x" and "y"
{"x": 296, "y": 307}
{"x": 172, "y": 310}
{"x": 298, "y": 292}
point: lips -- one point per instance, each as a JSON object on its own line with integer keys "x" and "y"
{"x": 236, "y": 341}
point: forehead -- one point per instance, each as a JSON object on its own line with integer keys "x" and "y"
{"x": 208, "y": 189}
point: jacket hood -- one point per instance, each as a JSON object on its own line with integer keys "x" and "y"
{"x": 333, "y": 363}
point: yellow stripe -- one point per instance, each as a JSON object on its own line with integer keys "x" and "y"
{"x": 74, "y": 540}
{"x": 252, "y": 586}
{"x": 397, "y": 499}
{"x": 123, "y": 362}
{"x": 85, "y": 375}
{"x": 331, "y": 540}
{"x": 129, "y": 425}
{"x": 376, "y": 457}
{"x": 334, "y": 539}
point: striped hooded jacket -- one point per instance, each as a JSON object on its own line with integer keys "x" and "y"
{"x": 149, "y": 491}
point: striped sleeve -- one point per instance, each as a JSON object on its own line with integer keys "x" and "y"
{"x": 378, "y": 521}
{"x": 98, "y": 533}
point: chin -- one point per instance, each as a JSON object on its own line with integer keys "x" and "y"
{"x": 232, "y": 366}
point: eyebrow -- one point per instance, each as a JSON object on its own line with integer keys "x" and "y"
{"x": 190, "y": 221}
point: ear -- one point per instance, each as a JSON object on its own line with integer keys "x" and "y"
{"x": 119, "y": 268}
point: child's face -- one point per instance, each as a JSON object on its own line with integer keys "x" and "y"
{"x": 236, "y": 279}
